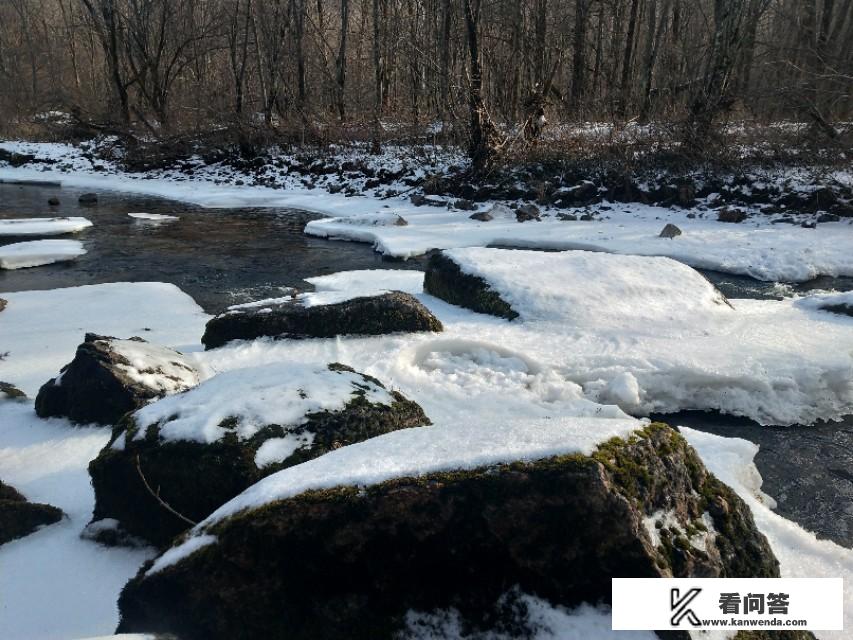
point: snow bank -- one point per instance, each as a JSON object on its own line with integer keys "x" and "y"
{"x": 778, "y": 362}
{"x": 55, "y": 585}
{"x": 280, "y": 394}
{"x": 41, "y": 329}
{"x": 756, "y": 247}
{"x": 42, "y": 226}
{"x": 38, "y": 253}
{"x": 800, "y": 553}
{"x": 595, "y": 289}
{"x": 419, "y": 451}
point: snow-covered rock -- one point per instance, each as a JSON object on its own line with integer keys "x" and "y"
{"x": 39, "y": 330}
{"x": 534, "y": 504}
{"x": 595, "y": 317}
{"x": 42, "y": 226}
{"x": 203, "y": 447}
{"x": 370, "y": 315}
{"x": 109, "y": 377}
{"x": 37, "y": 253}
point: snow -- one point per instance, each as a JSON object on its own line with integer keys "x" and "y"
{"x": 280, "y": 394}
{"x": 42, "y": 226}
{"x": 800, "y": 553}
{"x": 153, "y": 217}
{"x": 164, "y": 371}
{"x": 597, "y": 319}
{"x": 41, "y": 329}
{"x": 584, "y": 288}
{"x": 755, "y": 247}
{"x": 53, "y": 583}
{"x": 37, "y": 253}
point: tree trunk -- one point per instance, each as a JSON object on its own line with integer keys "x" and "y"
{"x": 483, "y": 142}
{"x": 341, "y": 63}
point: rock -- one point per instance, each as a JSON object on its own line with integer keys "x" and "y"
{"x": 670, "y": 231}
{"x": 3, "y": 304}
{"x": 109, "y": 377}
{"x": 482, "y": 216}
{"x": 567, "y": 217}
{"x": 805, "y": 224}
{"x": 370, "y": 315}
{"x": 88, "y": 198}
{"x": 350, "y": 561}
{"x": 528, "y": 212}
{"x": 465, "y": 205}
{"x": 420, "y": 200}
{"x": 19, "y": 518}
{"x": 8, "y": 391}
{"x": 587, "y": 217}
{"x": 444, "y": 279}
{"x": 841, "y": 308}
{"x": 53, "y": 201}
{"x": 828, "y": 217}
{"x": 727, "y": 214}
{"x": 198, "y": 454}
{"x": 16, "y": 159}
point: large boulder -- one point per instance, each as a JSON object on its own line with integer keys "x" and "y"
{"x": 297, "y": 556}
{"x": 390, "y": 312}
{"x": 173, "y": 462}
{"x": 109, "y": 377}
{"x": 19, "y": 518}
{"x": 445, "y": 279}
{"x": 3, "y": 304}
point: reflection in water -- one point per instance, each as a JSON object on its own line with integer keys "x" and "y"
{"x": 218, "y": 256}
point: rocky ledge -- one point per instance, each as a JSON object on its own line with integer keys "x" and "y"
{"x": 172, "y": 463}
{"x": 350, "y": 561}
{"x": 370, "y": 315}
{"x": 109, "y": 377}
{"x": 19, "y": 518}
{"x": 444, "y": 279}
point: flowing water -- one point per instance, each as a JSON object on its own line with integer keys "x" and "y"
{"x": 226, "y": 256}
{"x": 218, "y": 256}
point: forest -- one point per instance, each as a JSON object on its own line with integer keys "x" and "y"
{"x": 481, "y": 73}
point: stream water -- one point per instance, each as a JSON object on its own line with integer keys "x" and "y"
{"x": 227, "y": 256}
{"x": 218, "y": 256}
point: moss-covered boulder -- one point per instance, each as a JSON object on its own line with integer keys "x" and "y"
{"x": 19, "y": 518}
{"x": 109, "y": 377}
{"x": 175, "y": 461}
{"x": 351, "y": 560}
{"x": 390, "y": 312}
{"x": 445, "y": 279}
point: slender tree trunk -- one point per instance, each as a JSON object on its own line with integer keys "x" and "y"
{"x": 483, "y": 133}
{"x": 341, "y": 63}
{"x": 377, "y": 76}
{"x": 578, "y": 54}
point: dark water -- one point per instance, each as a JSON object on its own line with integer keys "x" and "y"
{"x": 218, "y": 256}
{"x": 226, "y": 256}
{"x": 808, "y": 470}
